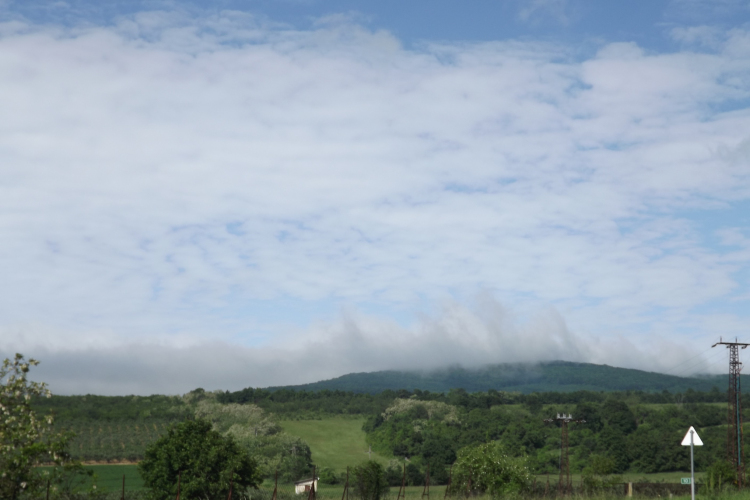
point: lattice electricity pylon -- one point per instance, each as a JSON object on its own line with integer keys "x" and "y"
{"x": 564, "y": 485}
{"x": 734, "y": 413}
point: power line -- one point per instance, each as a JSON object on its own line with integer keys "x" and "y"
{"x": 711, "y": 359}
{"x": 686, "y": 361}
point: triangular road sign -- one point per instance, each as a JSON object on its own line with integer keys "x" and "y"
{"x": 696, "y": 439}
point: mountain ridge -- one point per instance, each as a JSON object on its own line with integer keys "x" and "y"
{"x": 550, "y": 376}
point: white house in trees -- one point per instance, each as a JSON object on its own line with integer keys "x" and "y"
{"x": 305, "y": 485}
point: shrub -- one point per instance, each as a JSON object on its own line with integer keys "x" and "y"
{"x": 369, "y": 481}
{"x": 207, "y": 462}
{"x": 488, "y": 469}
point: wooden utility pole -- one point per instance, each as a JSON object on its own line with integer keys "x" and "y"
{"x": 311, "y": 495}
{"x": 450, "y": 480}
{"x": 402, "y": 490}
{"x": 564, "y": 485}
{"x": 231, "y": 484}
{"x": 345, "y": 494}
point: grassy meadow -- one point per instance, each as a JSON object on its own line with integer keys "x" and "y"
{"x": 335, "y": 442}
{"x": 109, "y": 477}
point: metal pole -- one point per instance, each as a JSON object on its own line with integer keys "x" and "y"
{"x": 692, "y": 468}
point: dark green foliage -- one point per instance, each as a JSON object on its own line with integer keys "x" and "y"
{"x": 395, "y": 473}
{"x": 113, "y": 428}
{"x": 114, "y": 408}
{"x": 533, "y": 403}
{"x": 369, "y": 482}
{"x": 311, "y": 404}
{"x": 720, "y": 476}
{"x": 590, "y": 413}
{"x": 555, "y": 376}
{"x": 328, "y": 476}
{"x": 490, "y": 469}
{"x": 597, "y": 475}
{"x": 641, "y": 438}
{"x": 27, "y": 436}
{"x": 111, "y": 440}
{"x": 618, "y": 416}
{"x": 206, "y": 460}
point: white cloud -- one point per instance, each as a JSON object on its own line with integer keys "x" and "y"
{"x": 532, "y": 10}
{"x": 485, "y": 334}
{"x": 167, "y": 175}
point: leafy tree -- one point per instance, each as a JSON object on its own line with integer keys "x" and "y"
{"x": 489, "y": 469}
{"x": 394, "y": 473}
{"x": 720, "y": 475}
{"x": 414, "y": 475}
{"x": 26, "y": 439}
{"x": 597, "y": 474}
{"x": 370, "y": 481}
{"x": 589, "y": 413}
{"x": 206, "y": 461}
{"x": 533, "y": 403}
{"x": 618, "y": 415}
{"x": 328, "y": 476}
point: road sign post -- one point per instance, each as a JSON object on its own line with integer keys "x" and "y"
{"x": 691, "y": 439}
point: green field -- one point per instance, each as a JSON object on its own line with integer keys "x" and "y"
{"x": 630, "y": 477}
{"x": 109, "y": 477}
{"x": 334, "y": 442}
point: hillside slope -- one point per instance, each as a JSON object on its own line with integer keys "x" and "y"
{"x": 555, "y": 376}
{"x": 335, "y": 442}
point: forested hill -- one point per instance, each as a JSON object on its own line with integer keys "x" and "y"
{"x": 555, "y": 376}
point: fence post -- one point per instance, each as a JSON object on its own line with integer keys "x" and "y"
{"x": 311, "y": 496}
{"x": 450, "y": 480}
{"x": 179, "y": 480}
{"x": 345, "y": 494}
{"x": 402, "y": 490}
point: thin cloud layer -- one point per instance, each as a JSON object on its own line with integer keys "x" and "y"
{"x": 228, "y": 182}
{"x": 486, "y": 334}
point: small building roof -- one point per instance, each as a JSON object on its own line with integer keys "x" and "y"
{"x": 302, "y": 481}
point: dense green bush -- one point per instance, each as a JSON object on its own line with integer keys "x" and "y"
{"x": 369, "y": 481}
{"x": 205, "y": 462}
{"x": 489, "y": 469}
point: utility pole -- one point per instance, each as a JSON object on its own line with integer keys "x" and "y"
{"x": 450, "y": 480}
{"x": 734, "y": 413}
{"x": 311, "y": 494}
{"x": 426, "y": 490}
{"x": 402, "y": 490}
{"x": 564, "y": 485}
{"x": 345, "y": 494}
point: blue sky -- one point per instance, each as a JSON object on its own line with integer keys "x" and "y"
{"x": 207, "y": 194}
